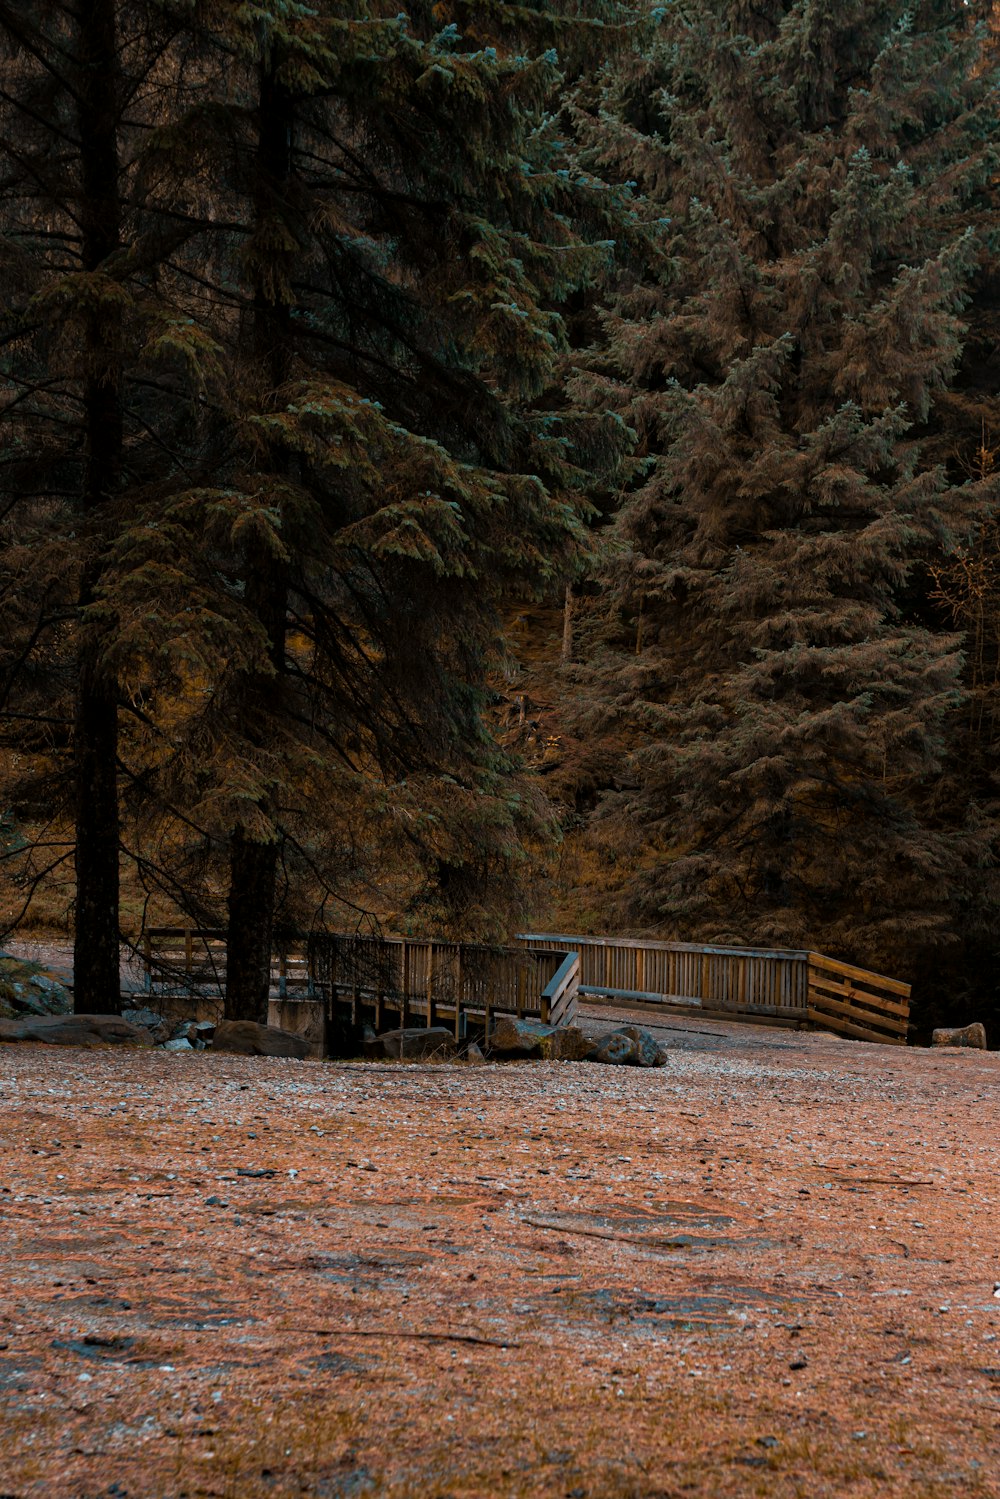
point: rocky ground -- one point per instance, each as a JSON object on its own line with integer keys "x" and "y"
{"x": 767, "y": 1268}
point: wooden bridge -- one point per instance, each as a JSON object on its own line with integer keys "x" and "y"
{"x": 403, "y": 980}
{"x": 434, "y": 983}
{"x": 768, "y": 985}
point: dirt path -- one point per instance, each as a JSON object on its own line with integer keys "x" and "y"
{"x": 767, "y": 1269}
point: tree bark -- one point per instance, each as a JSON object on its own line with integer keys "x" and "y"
{"x": 95, "y": 959}
{"x": 566, "y": 654}
{"x": 253, "y": 864}
{"x": 252, "y": 870}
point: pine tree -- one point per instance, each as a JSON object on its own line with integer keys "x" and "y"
{"x": 400, "y": 231}
{"x": 81, "y": 317}
{"x": 769, "y": 651}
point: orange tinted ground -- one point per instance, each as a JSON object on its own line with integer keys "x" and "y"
{"x": 767, "y": 1269}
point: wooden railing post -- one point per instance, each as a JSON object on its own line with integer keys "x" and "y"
{"x": 404, "y": 1018}
{"x": 430, "y": 983}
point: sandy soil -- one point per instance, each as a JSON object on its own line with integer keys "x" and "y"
{"x": 767, "y": 1269}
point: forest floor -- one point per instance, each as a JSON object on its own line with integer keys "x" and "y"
{"x": 766, "y": 1269}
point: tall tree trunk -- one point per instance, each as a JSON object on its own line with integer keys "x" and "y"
{"x": 252, "y": 870}
{"x": 253, "y": 864}
{"x": 95, "y": 959}
{"x": 566, "y": 654}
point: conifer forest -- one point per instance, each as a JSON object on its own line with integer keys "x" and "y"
{"x": 465, "y": 464}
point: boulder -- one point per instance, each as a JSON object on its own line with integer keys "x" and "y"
{"x": 178, "y": 1043}
{"x": 249, "y": 1039}
{"x": 528, "y": 1038}
{"x": 961, "y": 1035}
{"x": 27, "y": 989}
{"x": 615, "y": 1048}
{"x": 75, "y": 1030}
{"x": 648, "y": 1051}
{"x": 417, "y": 1043}
{"x": 474, "y": 1054}
{"x": 150, "y": 1021}
{"x": 572, "y": 1043}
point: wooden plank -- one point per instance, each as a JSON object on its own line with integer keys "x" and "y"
{"x": 833, "y": 966}
{"x": 825, "y": 1005}
{"x": 649, "y": 945}
{"x": 846, "y": 1028}
{"x": 848, "y": 991}
{"x": 689, "y": 1011}
{"x": 644, "y": 995}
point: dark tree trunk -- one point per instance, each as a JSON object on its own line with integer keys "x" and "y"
{"x": 252, "y": 869}
{"x": 253, "y": 865}
{"x": 95, "y": 960}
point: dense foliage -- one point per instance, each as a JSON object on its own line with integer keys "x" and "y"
{"x": 335, "y": 334}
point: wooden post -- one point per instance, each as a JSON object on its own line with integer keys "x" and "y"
{"x": 147, "y": 950}
{"x": 459, "y": 1027}
{"x": 404, "y": 1018}
{"x": 430, "y": 983}
{"x": 188, "y": 950}
{"x": 282, "y": 974}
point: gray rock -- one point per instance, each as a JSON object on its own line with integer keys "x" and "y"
{"x": 185, "y": 1030}
{"x": 573, "y": 1043}
{"x": 513, "y": 1037}
{"x": 648, "y": 1051}
{"x": 249, "y": 1039}
{"x": 615, "y": 1049}
{"x": 371, "y": 1046}
{"x": 177, "y": 1043}
{"x": 961, "y": 1035}
{"x": 26, "y": 989}
{"x": 150, "y": 1021}
{"x": 474, "y": 1054}
{"x": 75, "y": 1030}
{"x": 417, "y": 1042}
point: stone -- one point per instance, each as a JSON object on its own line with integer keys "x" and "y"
{"x": 371, "y": 1046}
{"x": 615, "y": 1049}
{"x": 27, "y": 989}
{"x": 417, "y": 1043}
{"x": 249, "y": 1039}
{"x": 474, "y": 1054}
{"x": 572, "y": 1043}
{"x": 150, "y": 1021}
{"x": 648, "y": 1051}
{"x": 521, "y": 1037}
{"x": 961, "y": 1035}
{"x": 75, "y": 1030}
{"x": 177, "y": 1043}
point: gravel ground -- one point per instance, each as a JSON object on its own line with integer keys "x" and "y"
{"x": 766, "y": 1269}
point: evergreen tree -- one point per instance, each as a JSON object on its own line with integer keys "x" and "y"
{"x": 80, "y": 319}
{"x": 769, "y": 650}
{"x": 400, "y": 230}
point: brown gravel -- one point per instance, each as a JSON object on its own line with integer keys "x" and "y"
{"x": 767, "y": 1269}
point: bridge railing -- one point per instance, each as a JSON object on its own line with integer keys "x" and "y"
{"x": 431, "y": 981}
{"x": 775, "y": 985}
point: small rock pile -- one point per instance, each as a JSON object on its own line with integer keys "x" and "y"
{"x": 140, "y": 1027}
{"x": 185, "y": 1035}
{"x": 513, "y": 1039}
{"x": 629, "y": 1045}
